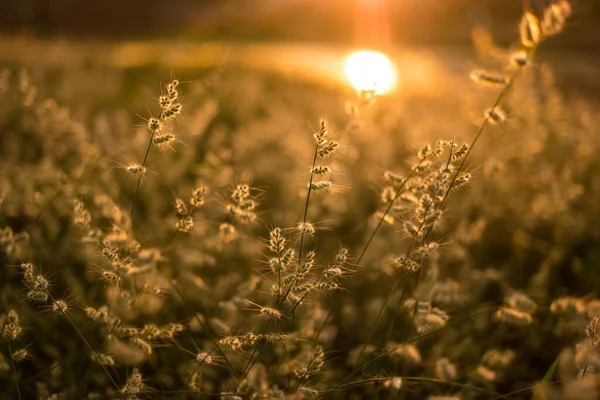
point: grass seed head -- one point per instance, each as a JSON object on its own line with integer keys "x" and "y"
{"x": 60, "y": 307}
{"x": 135, "y": 169}
{"x": 164, "y": 141}
{"x": 495, "y": 115}
{"x": 185, "y": 224}
{"x": 197, "y": 199}
{"x": 567, "y": 306}
{"x": 554, "y": 19}
{"x": 388, "y": 194}
{"x": 271, "y": 312}
{"x": 498, "y": 359}
{"x": 394, "y": 383}
{"x": 320, "y": 136}
{"x": 425, "y": 152}
{"x": 520, "y": 58}
{"x": 393, "y": 179}
{"x": 485, "y": 374}
{"x": 408, "y": 352}
{"x": 37, "y": 296}
{"x": 521, "y": 302}
{"x": 445, "y": 369}
{"x": 154, "y": 125}
{"x": 407, "y": 264}
{"x": 328, "y": 149}
{"x": 513, "y": 316}
{"x": 485, "y": 78}
{"x": 180, "y": 207}
{"x": 305, "y": 228}
{"x": 277, "y": 241}
{"x": 341, "y": 258}
{"x": 10, "y": 327}
{"x": 102, "y": 359}
{"x": 320, "y": 170}
{"x": 134, "y": 384}
{"x": 141, "y": 344}
{"x": 530, "y": 30}
{"x": 20, "y": 355}
{"x": 171, "y": 90}
{"x": 204, "y": 358}
{"x": 172, "y": 112}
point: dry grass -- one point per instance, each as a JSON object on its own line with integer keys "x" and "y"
{"x": 286, "y": 244}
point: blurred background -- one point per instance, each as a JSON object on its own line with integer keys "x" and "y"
{"x": 407, "y": 21}
{"x": 421, "y": 37}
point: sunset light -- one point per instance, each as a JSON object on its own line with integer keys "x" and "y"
{"x": 370, "y": 70}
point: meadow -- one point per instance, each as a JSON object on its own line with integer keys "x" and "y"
{"x": 235, "y": 233}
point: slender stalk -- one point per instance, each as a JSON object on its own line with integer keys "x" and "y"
{"x": 386, "y": 212}
{"x": 76, "y": 329}
{"x": 208, "y": 330}
{"x": 139, "y": 180}
{"x": 14, "y": 369}
{"x": 441, "y": 203}
{"x": 42, "y": 373}
{"x": 416, "y": 338}
{"x": 278, "y": 274}
{"x": 252, "y": 361}
{"x": 420, "y": 379}
{"x": 396, "y": 281}
{"x": 406, "y": 256}
{"x": 308, "y": 192}
{"x": 528, "y": 388}
{"x": 200, "y": 363}
{"x": 412, "y": 245}
{"x": 316, "y": 336}
{"x": 463, "y": 161}
{"x": 163, "y": 111}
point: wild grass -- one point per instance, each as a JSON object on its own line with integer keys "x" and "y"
{"x": 242, "y": 235}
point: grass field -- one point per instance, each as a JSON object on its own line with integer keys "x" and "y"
{"x": 234, "y": 221}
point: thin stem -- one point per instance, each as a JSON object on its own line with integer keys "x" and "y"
{"x": 14, "y": 368}
{"x": 385, "y": 353}
{"x": 200, "y": 363}
{"x": 208, "y": 330}
{"x": 368, "y": 243}
{"x": 396, "y": 281}
{"x": 251, "y": 362}
{"x": 137, "y": 186}
{"x": 42, "y": 373}
{"x": 278, "y": 275}
{"x": 308, "y": 192}
{"x": 386, "y": 212}
{"x": 166, "y": 246}
{"x": 176, "y": 231}
{"x": 461, "y": 166}
{"x": 482, "y": 127}
{"x": 528, "y": 388}
{"x": 420, "y": 379}
{"x": 139, "y": 180}
{"x": 76, "y": 329}
{"x": 407, "y": 255}
{"x": 439, "y": 206}
{"x": 314, "y": 357}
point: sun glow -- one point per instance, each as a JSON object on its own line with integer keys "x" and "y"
{"x": 370, "y": 70}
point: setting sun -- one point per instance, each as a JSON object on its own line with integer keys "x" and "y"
{"x": 370, "y": 70}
